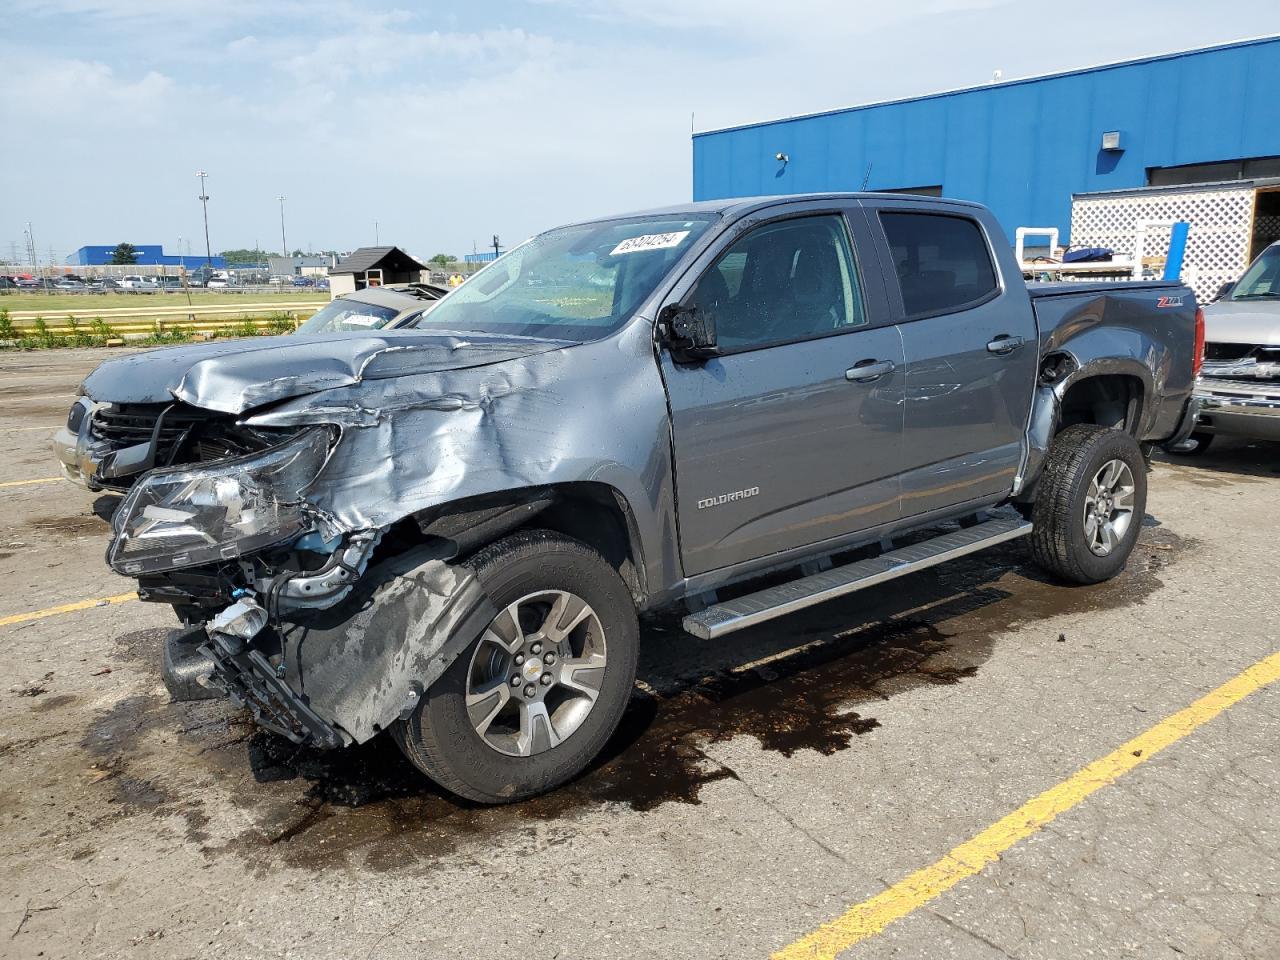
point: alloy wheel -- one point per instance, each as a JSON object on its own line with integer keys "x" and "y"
{"x": 536, "y": 673}
{"x": 1108, "y": 507}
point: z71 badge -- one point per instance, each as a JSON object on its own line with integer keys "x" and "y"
{"x": 1169, "y": 302}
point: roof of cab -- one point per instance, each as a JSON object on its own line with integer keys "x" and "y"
{"x": 740, "y": 206}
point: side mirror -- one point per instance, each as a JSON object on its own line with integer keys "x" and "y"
{"x": 690, "y": 334}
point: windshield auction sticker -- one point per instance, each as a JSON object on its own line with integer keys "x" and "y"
{"x": 650, "y": 241}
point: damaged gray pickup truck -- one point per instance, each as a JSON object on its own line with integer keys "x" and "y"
{"x": 447, "y": 532}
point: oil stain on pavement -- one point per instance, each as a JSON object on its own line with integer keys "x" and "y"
{"x": 808, "y": 682}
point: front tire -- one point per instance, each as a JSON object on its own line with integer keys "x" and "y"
{"x": 533, "y": 700}
{"x": 1090, "y": 503}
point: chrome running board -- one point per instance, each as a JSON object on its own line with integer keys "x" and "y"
{"x": 721, "y": 618}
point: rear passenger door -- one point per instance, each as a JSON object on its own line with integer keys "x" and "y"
{"x": 970, "y": 342}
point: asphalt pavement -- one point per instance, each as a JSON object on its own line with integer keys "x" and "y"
{"x": 867, "y": 779}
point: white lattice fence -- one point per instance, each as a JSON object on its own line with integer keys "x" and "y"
{"x": 1266, "y": 230}
{"x": 1217, "y": 244}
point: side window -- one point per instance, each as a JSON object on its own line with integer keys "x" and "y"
{"x": 942, "y": 261}
{"x": 793, "y": 280}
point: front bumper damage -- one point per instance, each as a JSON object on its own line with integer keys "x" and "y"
{"x": 422, "y": 422}
{"x": 73, "y": 445}
{"x": 332, "y": 677}
{"x": 108, "y": 446}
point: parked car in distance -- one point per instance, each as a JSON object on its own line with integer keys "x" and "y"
{"x": 447, "y": 531}
{"x": 218, "y": 282}
{"x": 8, "y": 283}
{"x": 303, "y": 282}
{"x": 70, "y": 285}
{"x": 139, "y": 284}
{"x": 1238, "y": 392}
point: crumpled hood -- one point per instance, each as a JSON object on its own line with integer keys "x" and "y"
{"x": 1243, "y": 321}
{"x": 235, "y": 376}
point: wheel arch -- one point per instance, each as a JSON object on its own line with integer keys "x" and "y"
{"x": 1111, "y": 394}
{"x": 596, "y": 513}
{"x": 1114, "y": 392}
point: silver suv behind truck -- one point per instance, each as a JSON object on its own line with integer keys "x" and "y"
{"x": 447, "y": 532}
{"x": 1238, "y": 393}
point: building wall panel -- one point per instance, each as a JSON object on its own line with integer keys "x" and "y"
{"x": 1021, "y": 147}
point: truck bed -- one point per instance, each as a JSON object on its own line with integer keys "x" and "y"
{"x": 1057, "y": 288}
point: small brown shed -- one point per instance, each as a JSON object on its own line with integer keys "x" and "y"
{"x": 375, "y": 267}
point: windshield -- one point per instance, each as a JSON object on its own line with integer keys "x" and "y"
{"x": 574, "y": 283}
{"x": 349, "y": 315}
{"x": 1262, "y": 280}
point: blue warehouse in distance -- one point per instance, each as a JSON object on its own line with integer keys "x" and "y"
{"x": 148, "y": 254}
{"x": 1023, "y": 147}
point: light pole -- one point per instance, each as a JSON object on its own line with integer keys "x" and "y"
{"x": 284, "y": 246}
{"x": 204, "y": 202}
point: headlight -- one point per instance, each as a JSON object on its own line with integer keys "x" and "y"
{"x": 187, "y": 516}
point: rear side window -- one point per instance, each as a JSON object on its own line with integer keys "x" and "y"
{"x": 943, "y": 262}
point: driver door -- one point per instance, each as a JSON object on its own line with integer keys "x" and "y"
{"x": 793, "y": 435}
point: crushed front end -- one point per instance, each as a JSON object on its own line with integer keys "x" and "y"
{"x": 107, "y": 446}
{"x": 286, "y": 613}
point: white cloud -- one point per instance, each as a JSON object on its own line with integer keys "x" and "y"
{"x": 449, "y": 126}
{"x": 50, "y": 94}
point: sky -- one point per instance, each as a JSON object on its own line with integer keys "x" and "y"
{"x": 436, "y": 126}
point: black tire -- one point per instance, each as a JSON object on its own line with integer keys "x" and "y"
{"x": 1194, "y": 446}
{"x": 439, "y": 738}
{"x": 1058, "y": 542}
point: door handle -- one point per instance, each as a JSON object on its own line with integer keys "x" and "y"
{"x": 1004, "y": 344}
{"x": 865, "y": 371}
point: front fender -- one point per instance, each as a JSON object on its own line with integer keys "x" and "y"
{"x": 366, "y": 662}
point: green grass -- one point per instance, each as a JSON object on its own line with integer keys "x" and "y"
{"x": 56, "y": 303}
{"x": 96, "y": 333}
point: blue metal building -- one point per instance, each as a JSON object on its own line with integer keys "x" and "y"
{"x": 149, "y": 254}
{"x": 1023, "y": 147}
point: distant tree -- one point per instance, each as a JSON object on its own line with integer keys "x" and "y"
{"x": 124, "y": 254}
{"x": 298, "y": 252}
{"x": 443, "y": 259}
{"x": 244, "y": 256}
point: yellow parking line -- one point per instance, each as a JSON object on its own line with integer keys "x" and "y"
{"x": 67, "y": 608}
{"x": 868, "y": 918}
{"x": 27, "y": 483}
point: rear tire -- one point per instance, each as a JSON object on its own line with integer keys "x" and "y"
{"x": 1089, "y": 504}
{"x": 486, "y": 740}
